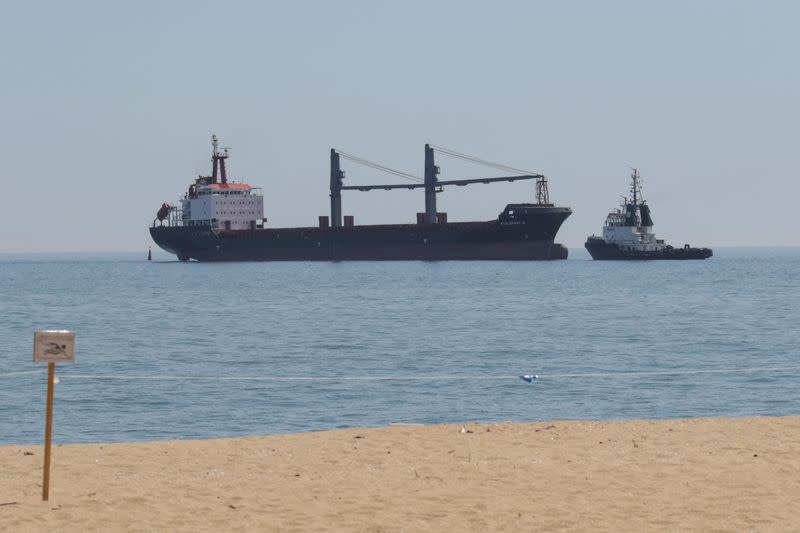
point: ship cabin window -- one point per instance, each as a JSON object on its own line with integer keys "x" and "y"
{"x": 514, "y": 213}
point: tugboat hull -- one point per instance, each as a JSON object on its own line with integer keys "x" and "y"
{"x": 599, "y": 249}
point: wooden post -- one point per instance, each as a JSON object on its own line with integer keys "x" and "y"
{"x": 48, "y": 432}
{"x": 51, "y": 347}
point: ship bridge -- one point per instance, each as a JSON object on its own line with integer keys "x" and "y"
{"x": 227, "y": 189}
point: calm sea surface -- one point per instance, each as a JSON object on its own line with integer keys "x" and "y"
{"x": 286, "y": 347}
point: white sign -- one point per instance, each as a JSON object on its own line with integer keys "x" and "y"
{"x": 54, "y": 346}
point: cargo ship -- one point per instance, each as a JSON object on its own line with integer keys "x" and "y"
{"x": 628, "y": 233}
{"x": 222, "y": 220}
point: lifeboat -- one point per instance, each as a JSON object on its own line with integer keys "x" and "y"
{"x": 163, "y": 211}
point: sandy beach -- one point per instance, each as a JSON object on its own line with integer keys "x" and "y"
{"x": 698, "y": 475}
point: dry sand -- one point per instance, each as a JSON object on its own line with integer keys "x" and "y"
{"x": 700, "y": 475}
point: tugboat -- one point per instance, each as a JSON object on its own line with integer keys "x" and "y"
{"x": 628, "y": 233}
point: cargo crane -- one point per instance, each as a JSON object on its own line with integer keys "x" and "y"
{"x": 431, "y": 182}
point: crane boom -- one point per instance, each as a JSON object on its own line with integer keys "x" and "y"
{"x": 460, "y": 183}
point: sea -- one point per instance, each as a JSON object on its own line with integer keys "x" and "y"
{"x": 171, "y": 350}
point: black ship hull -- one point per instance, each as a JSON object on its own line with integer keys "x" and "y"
{"x": 529, "y": 239}
{"x": 601, "y": 250}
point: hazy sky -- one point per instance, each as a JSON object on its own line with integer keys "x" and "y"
{"x": 108, "y": 108}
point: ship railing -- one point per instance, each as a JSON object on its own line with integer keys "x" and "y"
{"x": 175, "y": 218}
{"x": 212, "y": 223}
{"x": 176, "y": 221}
{"x": 172, "y": 218}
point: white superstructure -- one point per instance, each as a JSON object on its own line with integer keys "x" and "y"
{"x": 228, "y": 206}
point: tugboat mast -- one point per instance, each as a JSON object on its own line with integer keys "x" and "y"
{"x": 636, "y": 186}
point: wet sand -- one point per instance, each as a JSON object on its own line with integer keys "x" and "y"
{"x": 669, "y": 475}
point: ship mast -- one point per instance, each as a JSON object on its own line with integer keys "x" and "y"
{"x": 636, "y": 186}
{"x": 632, "y": 206}
{"x": 218, "y": 160}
